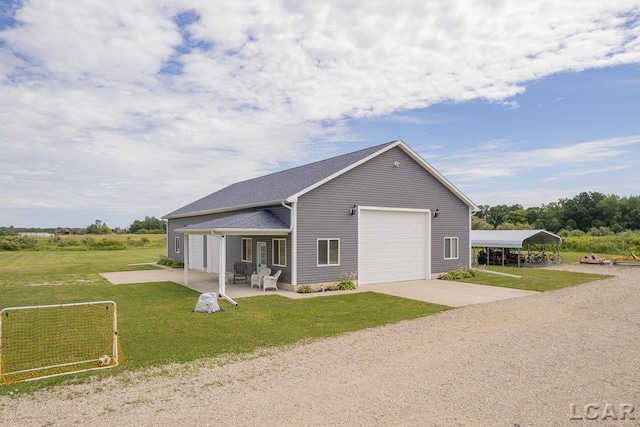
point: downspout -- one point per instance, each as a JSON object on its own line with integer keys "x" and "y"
{"x": 471, "y": 257}
{"x": 293, "y": 227}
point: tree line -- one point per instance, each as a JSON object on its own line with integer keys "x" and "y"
{"x": 149, "y": 225}
{"x": 588, "y": 212}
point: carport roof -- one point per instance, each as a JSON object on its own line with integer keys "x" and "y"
{"x": 512, "y": 238}
{"x": 255, "y": 222}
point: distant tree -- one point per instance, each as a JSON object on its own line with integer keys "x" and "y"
{"x": 581, "y": 212}
{"x": 104, "y": 229}
{"x": 480, "y": 224}
{"x": 549, "y": 218}
{"x": 94, "y": 228}
{"x": 517, "y": 216}
{"x": 8, "y": 231}
{"x": 497, "y": 213}
{"x": 150, "y": 224}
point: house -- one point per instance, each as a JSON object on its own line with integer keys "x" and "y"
{"x": 382, "y": 214}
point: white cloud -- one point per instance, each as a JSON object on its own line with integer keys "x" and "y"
{"x": 500, "y": 158}
{"x": 87, "y": 99}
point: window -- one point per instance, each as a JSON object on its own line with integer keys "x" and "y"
{"x": 177, "y": 246}
{"x": 328, "y": 252}
{"x": 247, "y": 254}
{"x": 450, "y": 248}
{"x": 279, "y": 252}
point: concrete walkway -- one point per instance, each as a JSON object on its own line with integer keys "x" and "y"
{"x": 452, "y": 294}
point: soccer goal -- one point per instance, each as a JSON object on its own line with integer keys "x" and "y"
{"x": 50, "y": 340}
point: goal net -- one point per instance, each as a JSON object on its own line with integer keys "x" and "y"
{"x": 49, "y": 340}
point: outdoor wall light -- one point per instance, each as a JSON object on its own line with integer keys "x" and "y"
{"x": 436, "y": 213}
{"x": 353, "y": 210}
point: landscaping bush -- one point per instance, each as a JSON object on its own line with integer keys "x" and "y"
{"x": 346, "y": 281}
{"x": 170, "y": 262}
{"x": 306, "y": 289}
{"x": 462, "y": 273}
{"x": 346, "y": 285}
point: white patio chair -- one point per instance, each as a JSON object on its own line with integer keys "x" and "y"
{"x": 257, "y": 278}
{"x": 271, "y": 281}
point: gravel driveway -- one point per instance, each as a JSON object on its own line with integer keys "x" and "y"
{"x": 537, "y": 360}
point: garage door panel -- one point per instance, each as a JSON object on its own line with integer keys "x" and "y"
{"x": 393, "y": 246}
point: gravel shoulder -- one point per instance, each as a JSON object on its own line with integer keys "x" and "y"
{"x": 522, "y": 361}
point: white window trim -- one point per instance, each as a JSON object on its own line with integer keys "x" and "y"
{"x": 273, "y": 252}
{"x": 248, "y": 245}
{"x": 328, "y": 239}
{"x": 177, "y": 245}
{"x": 457, "y": 247}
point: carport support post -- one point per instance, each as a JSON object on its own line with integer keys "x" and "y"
{"x": 503, "y": 256}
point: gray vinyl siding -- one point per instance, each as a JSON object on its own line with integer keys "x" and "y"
{"x": 236, "y": 247}
{"x": 324, "y": 213}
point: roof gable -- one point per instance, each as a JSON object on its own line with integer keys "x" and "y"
{"x": 288, "y": 185}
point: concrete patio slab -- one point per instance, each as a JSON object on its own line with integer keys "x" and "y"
{"x": 452, "y": 294}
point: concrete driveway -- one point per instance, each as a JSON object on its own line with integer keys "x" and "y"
{"x": 449, "y": 293}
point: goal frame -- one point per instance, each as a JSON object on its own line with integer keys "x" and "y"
{"x": 115, "y": 349}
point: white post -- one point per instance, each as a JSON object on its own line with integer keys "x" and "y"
{"x": 222, "y": 277}
{"x": 222, "y": 270}
{"x": 186, "y": 259}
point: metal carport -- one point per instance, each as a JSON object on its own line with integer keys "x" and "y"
{"x": 515, "y": 239}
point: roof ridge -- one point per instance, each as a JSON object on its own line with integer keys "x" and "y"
{"x": 373, "y": 148}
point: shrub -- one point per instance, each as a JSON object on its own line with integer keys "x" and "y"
{"x": 334, "y": 287}
{"x": 170, "y": 262}
{"x": 346, "y": 285}
{"x": 462, "y": 273}
{"x": 346, "y": 281}
{"x": 306, "y": 289}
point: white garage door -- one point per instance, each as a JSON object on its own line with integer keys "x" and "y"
{"x": 392, "y": 246}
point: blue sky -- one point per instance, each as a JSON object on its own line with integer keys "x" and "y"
{"x": 123, "y": 109}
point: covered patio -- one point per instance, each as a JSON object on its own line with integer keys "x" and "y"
{"x": 246, "y": 224}
{"x": 513, "y": 239}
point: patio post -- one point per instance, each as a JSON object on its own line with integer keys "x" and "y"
{"x": 222, "y": 270}
{"x": 186, "y": 259}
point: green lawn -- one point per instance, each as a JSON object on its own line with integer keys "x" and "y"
{"x": 156, "y": 324}
{"x": 539, "y": 279}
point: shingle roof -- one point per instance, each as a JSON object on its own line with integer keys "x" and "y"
{"x": 257, "y": 220}
{"x": 275, "y": 187}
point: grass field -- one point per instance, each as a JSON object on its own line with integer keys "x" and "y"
{"x": 156, "y": 322}
{"x": 539, "y": 279}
